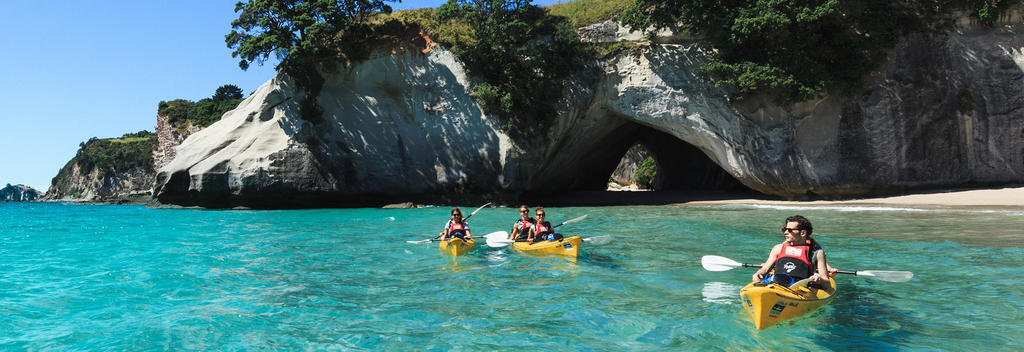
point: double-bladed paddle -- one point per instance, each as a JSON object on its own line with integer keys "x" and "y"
{"x": 439, "y": 235}
{"x": 717, "y": 263}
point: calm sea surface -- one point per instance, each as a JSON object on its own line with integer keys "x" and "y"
{"x": 104, "y": 277}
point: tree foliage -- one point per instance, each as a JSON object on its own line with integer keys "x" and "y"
{"x": 521, "y": 54}
{"x": 796, "y": 49}
{"x": 299, "y": 30}
{"x": 132, "y": 150}
{"x": 645, "y": 173}
{"x": 183, "y": 113}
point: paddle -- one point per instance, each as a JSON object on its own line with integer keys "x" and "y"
{"x": 502, "y": 242}
{"x": 717, "y": 263}
{"x": 439, "y": 235}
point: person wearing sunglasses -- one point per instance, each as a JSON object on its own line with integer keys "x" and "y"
{"x": 456, "y": 227}
{"x": 542, "y": 230}
{"x": 798, "y": 257}
{"x": 521, "y": 228}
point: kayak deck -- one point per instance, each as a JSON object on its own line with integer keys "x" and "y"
{"x": 569, "y": 246}
{"x": 457, "y": 246}
{"x": 773, "y": 303}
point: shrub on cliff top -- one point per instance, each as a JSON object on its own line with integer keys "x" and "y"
{"x": 521, "y": 54}
{"x": 183, "y": 113}
{"x": 797, "y": 49}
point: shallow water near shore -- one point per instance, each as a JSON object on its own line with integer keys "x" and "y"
{"x": 107, "y": 277}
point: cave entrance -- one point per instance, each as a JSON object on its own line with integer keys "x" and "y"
{"x": 682, "y": 172}
{"x": 658, "y": 161}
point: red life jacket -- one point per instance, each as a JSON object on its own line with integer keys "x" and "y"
{"x": 524, "y": 227}
{"x": 460, "y": 227}
{"x": 795, "y": 260}
{"x": 543, "y": 228}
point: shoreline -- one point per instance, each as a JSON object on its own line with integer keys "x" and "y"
{"x": 1001, "y": 198}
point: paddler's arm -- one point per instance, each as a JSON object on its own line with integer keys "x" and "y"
{"x": 822, "y": 271}
{"x": 760, "y": 273}
{"x": 468, "y": 235}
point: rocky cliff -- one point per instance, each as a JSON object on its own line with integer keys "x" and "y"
{"x": 946, "y": 111}
{"x": 106, "y": 170}
{"x": 19, "y": 193}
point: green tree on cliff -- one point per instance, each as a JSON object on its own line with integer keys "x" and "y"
{"x": 521, "y": 54}
{"x": 296, "y": 30}
{"x": 794, "y": 49}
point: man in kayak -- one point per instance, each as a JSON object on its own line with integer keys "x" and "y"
{"x": 798, "y": 257}
{"x": 456, "y": 227}
{"x": 521, "y": 228}
{"x": 542, "y": 230}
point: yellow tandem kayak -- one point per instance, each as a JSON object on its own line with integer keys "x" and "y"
{"x": 569, "y": 246}
{"x": 457, "y": 246}
{"x": 772, "y": 303}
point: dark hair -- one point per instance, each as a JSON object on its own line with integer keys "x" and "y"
{"x": 456, "y": 209}
{"x": 538, "y": 209}
{"x": 802, "y": 223}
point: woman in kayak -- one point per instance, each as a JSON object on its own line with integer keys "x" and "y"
{"x": 456, "y": 227}
{"x": 542, "y": 230}
{"x": 521, "y": 228}
{"x": 798, "y": 257}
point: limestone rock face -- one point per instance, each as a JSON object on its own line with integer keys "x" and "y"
{"x": 168, "y": 138}
{"x": 393, "y": 128}
{"x": 946, "y": 111}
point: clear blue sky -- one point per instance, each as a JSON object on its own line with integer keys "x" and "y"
{"x": 73, "y": 70}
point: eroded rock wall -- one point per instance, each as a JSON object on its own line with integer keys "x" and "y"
{"x": 945, "y": 112}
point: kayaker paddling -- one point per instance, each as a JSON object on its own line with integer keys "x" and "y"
{"x": 798, "y": 257}
{"x": 542, "y": 230}
{"x": 456, "y": 227}
{"x": 522, "y": 227}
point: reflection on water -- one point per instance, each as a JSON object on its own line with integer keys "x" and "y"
{"x": 720, "y": 292}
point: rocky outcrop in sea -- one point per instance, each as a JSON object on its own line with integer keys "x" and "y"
{"x": 19, "y": 193}
{"x": 946, "y": 111}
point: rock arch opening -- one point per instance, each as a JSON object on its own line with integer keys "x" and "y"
{"x": 682, "y": 172}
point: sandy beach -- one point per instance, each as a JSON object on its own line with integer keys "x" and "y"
{"x": 998, "y": 198}
{"x": 1010, "y": 198}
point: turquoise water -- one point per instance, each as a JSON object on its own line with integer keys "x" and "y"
{"x": 104, "y": 277}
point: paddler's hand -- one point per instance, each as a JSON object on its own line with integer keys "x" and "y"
{"x": 832, "y": 272}
{"x": 757, "y": 276}
{"x": 818, "y": 279}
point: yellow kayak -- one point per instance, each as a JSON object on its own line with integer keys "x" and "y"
{"x": 569, "y": 246}
{"x": 772, "y": 303}
{"x": 457, "y": 246}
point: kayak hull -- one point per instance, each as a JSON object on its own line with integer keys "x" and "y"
{"x": 772, "y": 303}
{"x": 569, "y": 246}
{"x": 457, "y": 246}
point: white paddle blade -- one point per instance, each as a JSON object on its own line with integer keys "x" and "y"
{"x": 497, "y": 234}
{"x": 598, "y": 239}
{"x": 496, "y": 242}
{"x": 890, "y": 276}
{"x": 420, "y": 241}
{"x": 716, "y": 263}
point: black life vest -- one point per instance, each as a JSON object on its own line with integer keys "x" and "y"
{"x": 797, "y": 260}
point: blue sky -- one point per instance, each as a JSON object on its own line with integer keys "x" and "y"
{"x": 73, "y": 70}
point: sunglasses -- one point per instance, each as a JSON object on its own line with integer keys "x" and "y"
{"x": 457, "y": 215}
{"x": 786, "y": 229}
{"x": 540, "y": 214}
{"x": 524, "y": 211}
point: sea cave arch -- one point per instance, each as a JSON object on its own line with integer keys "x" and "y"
{"x": 682, "y": 169}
